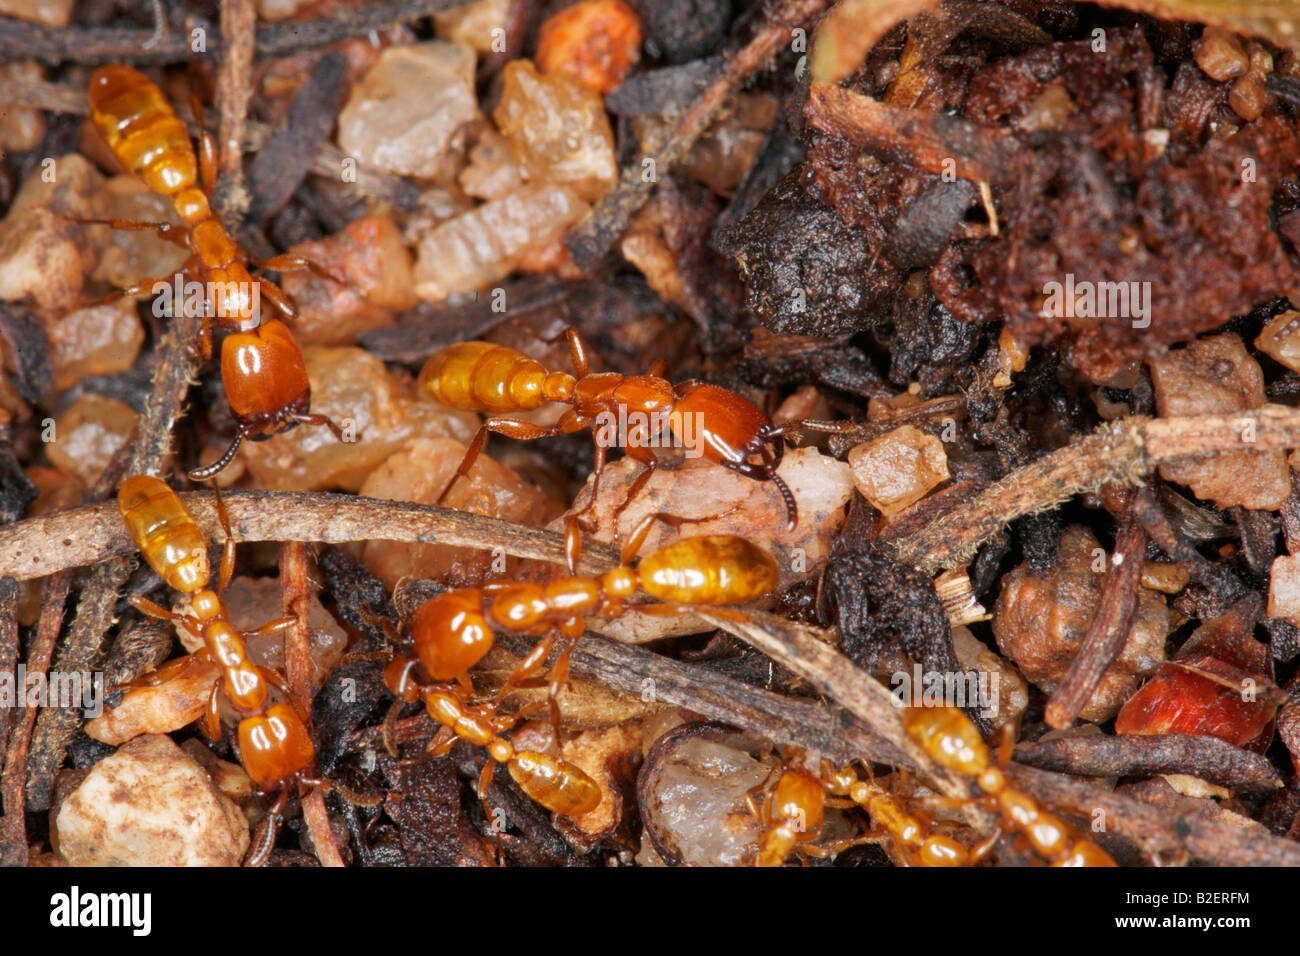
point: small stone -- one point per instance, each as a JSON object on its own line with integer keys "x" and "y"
{"x": 401, "y": 117}
{"x": 1284, "y": 588}
{"x": 1215, "y": 376}
{"x": 1220, "y": 55}
{"x": 251, "y": 602}
{"x": 558, "y": 130}
{"x": 1049, "y": 110}
{"x": 149, "y": 804}
{"x": 95, "y": 340}
{"x": 1008, "y": 691}
{"x": 134, "y": 255}
{"x": 21, "y": 129}
{"x": 1280, "y": 340}
{"x": 44, "y": 255}
{"x": 485, "y": 245}
{"x": 481, "y": 25}
{"x": 897, "y": 469}
{"x": 370, "y": 255}
{"x": 381, "y": 413}
{"x": 1040, "y": 622}
{"x": 172, "y": 703}
{"x": 51, "y": 13}
{"x": 1249, "y": 97}
{"x": 419, "y": 473}
{"x": 280, "y": 9}
{"x": 89, "y": 434}
{"x": 492, "y": 171}
{"x": 595, "y": 41}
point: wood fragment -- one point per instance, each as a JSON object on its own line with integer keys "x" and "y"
{"x": 296, "y": 594}
{"x": 1110, "y": 626}
{"x": 13, "y": 784}
{"x": 1122, "y": 452}
{"x": 1129, "y": 755}
{"x": 21, "y": 40}
{"x": 594, "y": 235}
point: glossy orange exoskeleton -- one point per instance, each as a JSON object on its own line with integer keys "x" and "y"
{"x": 951, "y": 740}
{"x": 719, "y": 425}
{"x": 262, "y": 366}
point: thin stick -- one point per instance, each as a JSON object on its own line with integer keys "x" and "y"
{"x": 234, "y": 92}
{"x": 39, "y": 546}
{"x": 13, "y": 785}
{"x": 1122, "y": 452}
{"x": 1129, "y": 755}
{"x": 83, "y": 649}
{"x": 20, "y": 40}
{"x": 296, "y": 595}
{"x": 1110, "y": 626}
{"x": 592, "y": 237}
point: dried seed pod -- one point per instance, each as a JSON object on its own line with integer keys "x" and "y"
{"x": 1040, "y": 622}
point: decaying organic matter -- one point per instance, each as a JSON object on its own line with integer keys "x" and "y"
{"x": 842, "y": 390}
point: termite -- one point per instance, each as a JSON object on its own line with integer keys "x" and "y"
{"x": 725, "y": 428}
{"x": 262, "y": 367}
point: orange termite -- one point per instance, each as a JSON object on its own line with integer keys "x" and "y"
{"x": 556, "y": 785}
{"x": 274, "y": 744}
{"x": 951, "y": 740}
{"x": 262, "y": 367}
{"x": 720, "y": 425}
{"x": 450, "y": 633}
{"x": 793, "y": 813}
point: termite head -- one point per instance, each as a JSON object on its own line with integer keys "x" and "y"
{"x": 732, "y": 431}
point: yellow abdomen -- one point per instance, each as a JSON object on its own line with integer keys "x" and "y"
{"x": 482, "y": 377}
{"x": 164, "y": 532}
{"x": 711, "y": 569}
{"x": 142, "y": 128}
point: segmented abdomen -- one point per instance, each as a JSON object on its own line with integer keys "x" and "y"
{"x": 711, "y": 569}
{"x": 164, "y": 532}
{"x": 482, "y": 377}
{"x": 142, "y": 128}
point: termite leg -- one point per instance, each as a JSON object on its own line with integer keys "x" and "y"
{"x": 288, "y": 262}
{"x": 578, "y": 349}
{"x": 318, "y": 419}
{"x": 527, "y": 668}
{"x": 149, "y": 608}
{"x": 228, "y": 549}
{"x": 510, "y": 428}
{"x": 164, "y": 230}
{"x": 272, "y": 627}
{"x": 597, "y": 469}
{"x": 207, "y": 146}
{"x": 210, "y": 722}
{"x": 277, "y": 298}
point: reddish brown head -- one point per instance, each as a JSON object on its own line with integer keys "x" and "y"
{"x": 265, "y": 378}
{"x": 730, "y": 430}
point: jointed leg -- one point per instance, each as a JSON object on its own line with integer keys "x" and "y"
{"x": 578, "y": 349}
{"x": 510, "y": 428}
{"x": 317, "y": 419}
{"x": 228, "y": 549}
{"x": 275, "y": 295}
